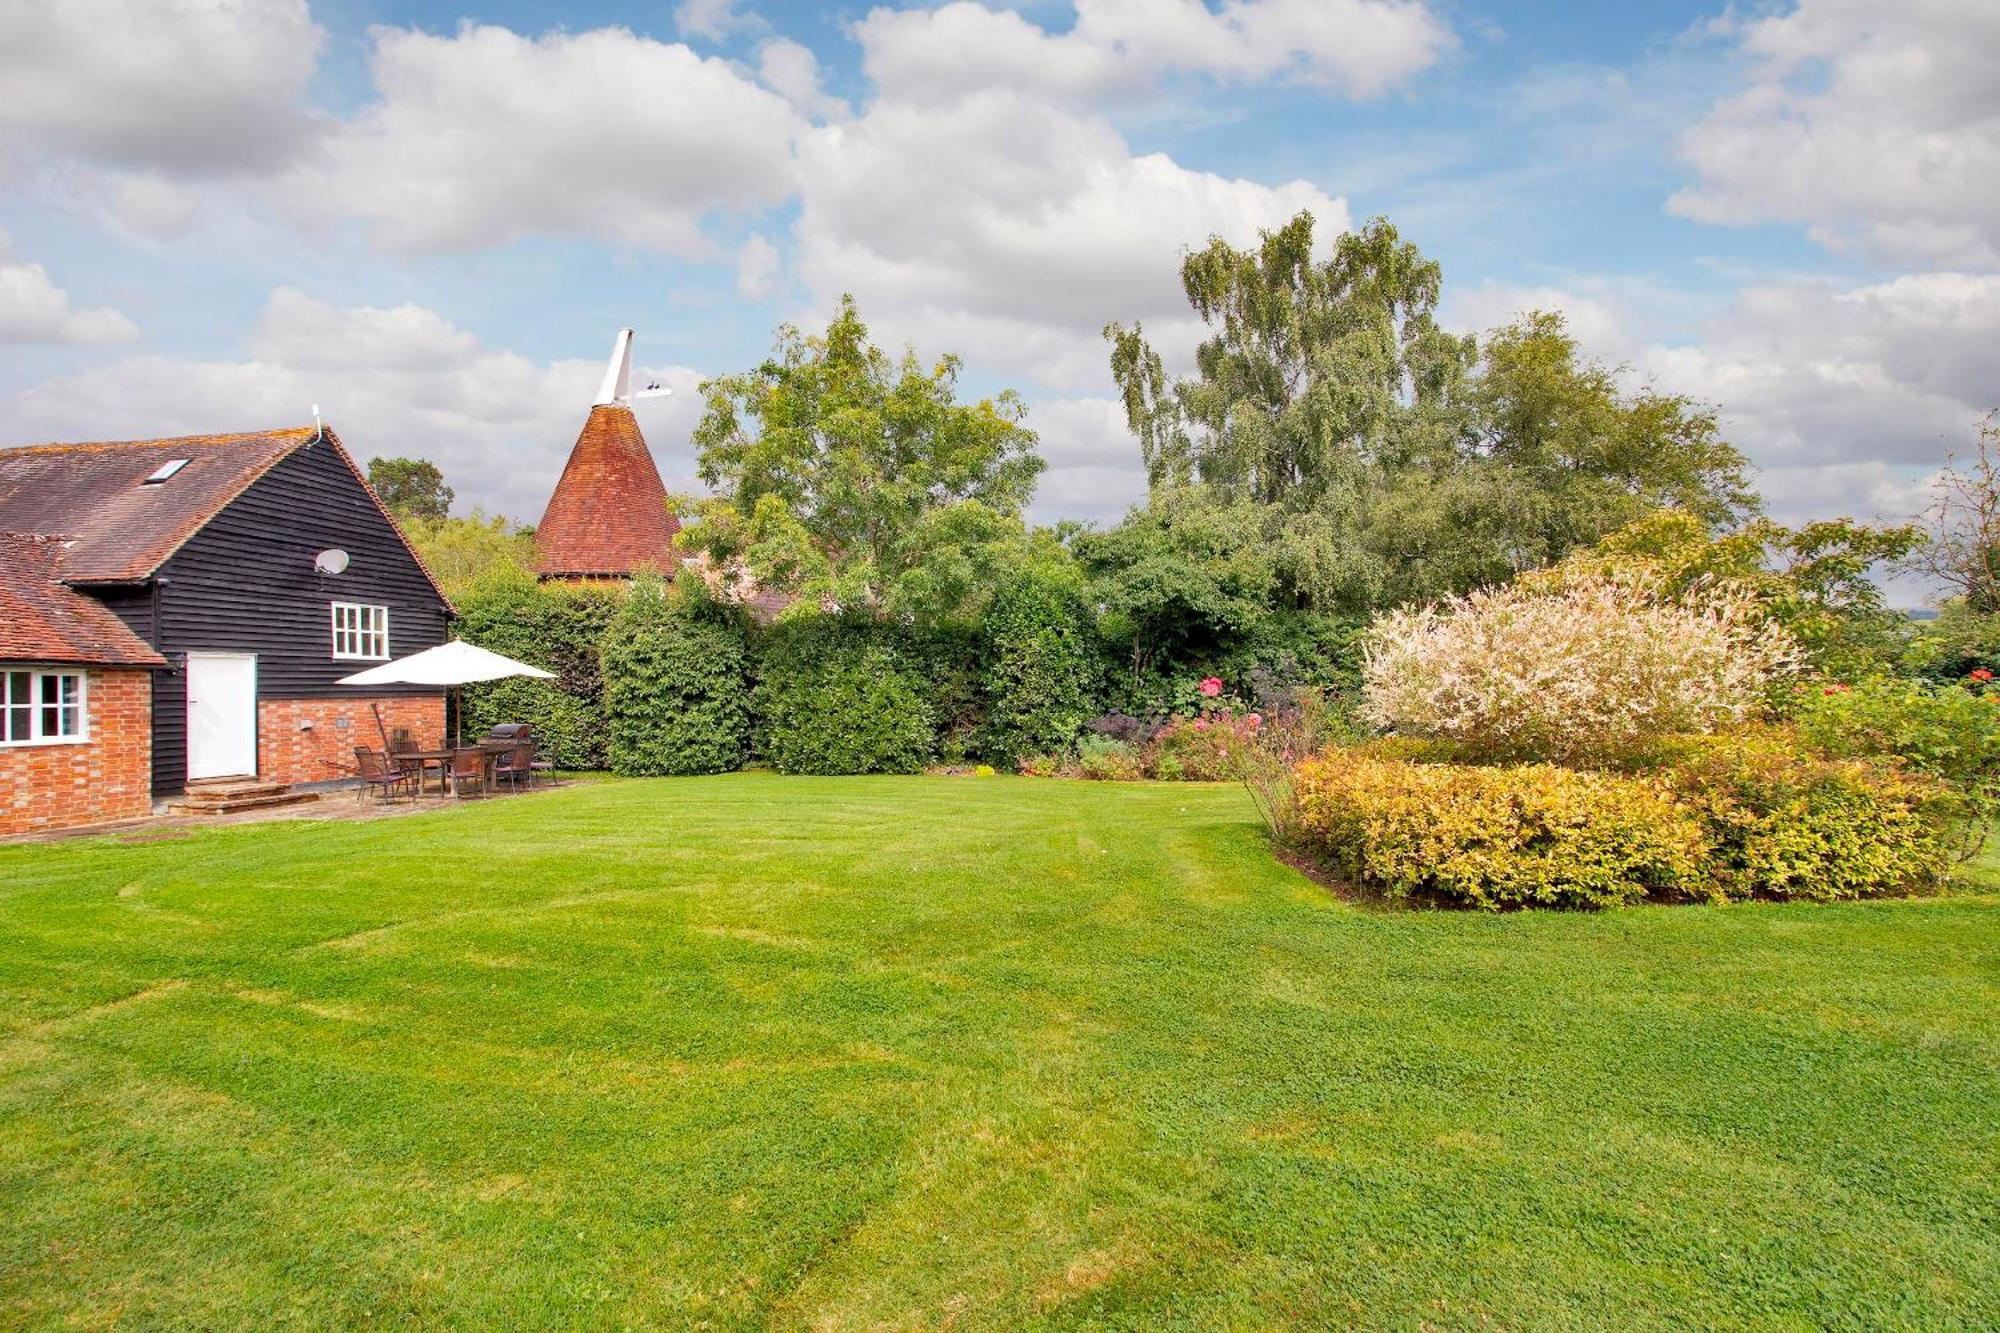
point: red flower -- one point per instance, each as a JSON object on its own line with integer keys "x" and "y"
{"x": 1982, "y": 674}
{"x": 1211, "y": 686}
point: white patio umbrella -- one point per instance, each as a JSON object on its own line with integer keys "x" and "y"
{"x": 454, "y": 664}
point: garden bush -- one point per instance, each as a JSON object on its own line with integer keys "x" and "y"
{"x": 676, "y": 693}
{"x": 1102, "y": 759}
{"x": 1215, "y": 747}
{"x": 1042, "y": 668}
{"x": 1950, "y": 648}
{"x": 1492, "y": 837}
{"x": 557, "y": 627}
{"x": 839, "y": 694}
{"x": 1780, "y": 822}
{"x": 1951, "y": 732}
{"x": 1577, "y": 674}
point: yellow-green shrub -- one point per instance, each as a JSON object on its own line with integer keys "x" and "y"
{"x": 1781, "y": 822}
{"x": 1517, "y": 836}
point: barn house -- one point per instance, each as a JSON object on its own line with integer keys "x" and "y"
{"x": 179, "y": 610}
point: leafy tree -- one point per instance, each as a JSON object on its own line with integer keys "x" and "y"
{"x": 1312, "y": 368}
{"x": 841, "y": 472}
{"x": 1601, "y": 457}
{"x": 1399, "y": 462}
{"x": 463, "y": 552}
{"x": 411, "y": 488}
{"x": 1188, "y": 574}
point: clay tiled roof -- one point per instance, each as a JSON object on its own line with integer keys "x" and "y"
{"x": 43, "y": 621}
{"x": 121, "y": 529}
{"x": 608, "y": 516}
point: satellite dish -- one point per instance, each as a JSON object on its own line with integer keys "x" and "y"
{"x": 333, "y": 560}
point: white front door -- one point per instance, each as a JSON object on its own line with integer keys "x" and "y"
{"x": 222, "y": 715}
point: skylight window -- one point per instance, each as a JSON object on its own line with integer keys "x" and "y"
{"x": 165, "y": 470}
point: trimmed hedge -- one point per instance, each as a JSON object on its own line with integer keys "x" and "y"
{"x": 557, "y": 627}
{"x": 676, "y": 693}
{"x": 841, "y": 694}
{"x": 1043, "y": 669}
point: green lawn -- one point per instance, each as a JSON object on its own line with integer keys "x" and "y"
{"x": 850, "y": 1053}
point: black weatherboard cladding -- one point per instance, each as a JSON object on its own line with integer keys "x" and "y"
{"x": 246, "y": 583}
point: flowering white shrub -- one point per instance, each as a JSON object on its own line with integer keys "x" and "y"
{"x": 1583, "y": 671}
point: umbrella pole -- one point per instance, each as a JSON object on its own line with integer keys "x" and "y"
{"x": 458, "y": 715}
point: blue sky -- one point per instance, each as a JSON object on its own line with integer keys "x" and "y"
{"x": 429, "y": 218}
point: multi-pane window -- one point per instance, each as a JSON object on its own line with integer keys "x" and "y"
{"x": 41, "y": 706}
{"x": 360, "y": 631}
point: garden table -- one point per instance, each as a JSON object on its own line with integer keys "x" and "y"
{"x": 442, "y": 758}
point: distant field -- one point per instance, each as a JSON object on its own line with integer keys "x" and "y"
{"x": 847, "y": 1053}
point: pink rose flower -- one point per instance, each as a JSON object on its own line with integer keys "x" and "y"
{"x": 1211, "y": 686}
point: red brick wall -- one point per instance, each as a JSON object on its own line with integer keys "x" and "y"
{"x": 289, "y": 752}
{"x": 108, "y": 777}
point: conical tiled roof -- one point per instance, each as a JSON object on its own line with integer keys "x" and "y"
{"x": 608, "y": 517}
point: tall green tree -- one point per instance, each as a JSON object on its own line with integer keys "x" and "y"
{"x": 840, "y": 471}
{"x": 1313, "y": 368}
{"x": 1393, "y": 460}
{"x": 410, "y": 487}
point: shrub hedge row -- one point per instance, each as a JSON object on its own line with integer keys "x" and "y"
{"x": 676, "y": 695}
{"x": 661, "y": 679}
{"x": 1734, "y": 816}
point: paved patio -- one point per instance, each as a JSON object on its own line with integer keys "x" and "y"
{"x": 338, "y": 803}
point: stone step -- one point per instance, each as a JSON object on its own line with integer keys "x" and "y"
{"x": 227, "y": 789}
{"x": 209, "y": 803}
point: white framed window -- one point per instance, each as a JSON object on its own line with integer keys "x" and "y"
{"x": 360, "y": 632}
{"x": 43, "y": 708}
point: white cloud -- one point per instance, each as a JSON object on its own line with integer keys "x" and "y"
{"x": 790, "y": 70}
{"x": 1869, "y": 123}
{"x": 1810, "y": 374}
{"x": 400, "y": 381}
{"x": 756, "y": 268}
{"x": 187, "y": 86}
{"x": 1025, "y": 230}
{"x": 714, "y": 19}
{"x": 152, "y": 206}
{"x": 1360, "y": 47}
{"x": 1871, "y": 491}
{"x": 1095, "y": 471}
{"x": 486, "y": 136}
{"x": 34, "y": 310}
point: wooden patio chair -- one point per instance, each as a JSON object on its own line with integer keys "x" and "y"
{"x": 381, "y": 776}
{"x": 517, "y": 765}
{"x": 468, "y": 767}
{"x": 537, "y": 766}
